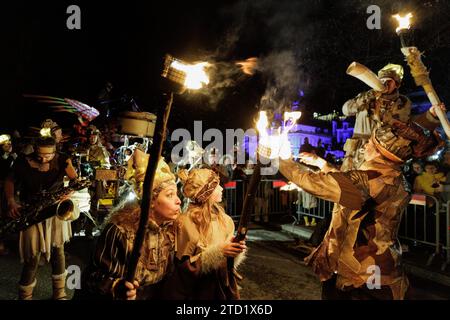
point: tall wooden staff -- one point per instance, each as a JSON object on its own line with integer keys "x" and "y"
{"x": 155, "y": 154}
{"x": 183, "y": 76}
{"x": 418, "y": 69}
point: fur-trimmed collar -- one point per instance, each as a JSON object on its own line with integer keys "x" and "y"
{"x": 127, "y": 220}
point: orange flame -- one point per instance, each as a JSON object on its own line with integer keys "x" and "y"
{"x": 403, "y": 22}
{"x": 276, "y": 140}
{"x": 262, "y": 123}
{"x": 249, "y": 65}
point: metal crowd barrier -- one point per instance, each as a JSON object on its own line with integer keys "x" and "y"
{"x": 421, "y": 211}
{"x": 269, "y": 200}
{"x": 447, "y": 238}
{"x": 316, "y": 208}
{"x": 413, "y": 227}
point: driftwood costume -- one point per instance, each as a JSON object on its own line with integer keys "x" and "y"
{"x": 201, "y": 268}
{"x": 373, "y": 109}
{"x": 115, "y": 245}
{"x": 365, "y": 219}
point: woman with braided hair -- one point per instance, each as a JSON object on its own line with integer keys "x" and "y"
{"x": 204, "y": 242}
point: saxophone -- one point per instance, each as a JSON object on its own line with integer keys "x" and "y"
{"x": 43, "y": 206}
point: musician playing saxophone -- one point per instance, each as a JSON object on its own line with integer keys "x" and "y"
{"x": 44, "y": 169}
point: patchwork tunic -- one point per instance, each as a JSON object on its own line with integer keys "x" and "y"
{"x": 113, "y": 252}
{"x": 364, "y": 225}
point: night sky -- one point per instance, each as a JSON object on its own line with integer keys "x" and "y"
{"x": 304, "y": 46}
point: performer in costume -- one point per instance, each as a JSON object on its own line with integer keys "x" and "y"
{"x": 204, "y": 242}
{"x": 95, "y": 150}
{"x": 373, "y": 109}
{"x": 136, "y": 166}
{"x": 97, "y": 157}
{"x": 43, "y": 170}
{"x": 362, "y": 237}
{"x": 7, "y": 158}
{"x": 104, "y": 278}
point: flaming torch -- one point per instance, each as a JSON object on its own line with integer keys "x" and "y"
{"x": 249, "y": 200}
{"x": 195, "y": 74}
{"x": 274, "y": 142}
{"x": 184, "y": 76}
{"x": 418, "y": 69}
{"x": 252, "y": 187}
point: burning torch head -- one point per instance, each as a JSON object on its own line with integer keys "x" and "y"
{"x": 183, "y": 75}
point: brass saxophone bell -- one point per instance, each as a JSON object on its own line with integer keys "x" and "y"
{"x": 65, "y": 210}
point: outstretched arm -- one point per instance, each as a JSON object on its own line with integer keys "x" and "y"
{"x": 335, "y": 186}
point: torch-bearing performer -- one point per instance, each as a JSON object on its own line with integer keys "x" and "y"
{"x": 105, "y": 277}
{"x": 204, "y": 242}
{"x": 379, "y": 106}
{"x": 359, "y": 257}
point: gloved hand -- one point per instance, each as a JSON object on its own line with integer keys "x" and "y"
{"x": 440, "y": 106}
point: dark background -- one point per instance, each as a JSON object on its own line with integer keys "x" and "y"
{"x": 124, "y": 43}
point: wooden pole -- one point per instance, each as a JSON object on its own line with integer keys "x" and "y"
{"x": 155, "y": 154}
